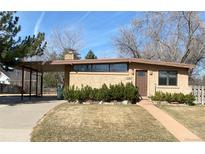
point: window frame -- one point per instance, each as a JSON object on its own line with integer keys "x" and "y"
{"x": 99, "y": 65}
{"x": 167, "y": 77}
{"x": 109, "y": 70}
{"x": 127, "y": 67}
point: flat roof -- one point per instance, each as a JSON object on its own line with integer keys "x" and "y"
{"x": 121, "y": 60}
{"x": 59, "y": 65}
{"x": 41, "y": 66}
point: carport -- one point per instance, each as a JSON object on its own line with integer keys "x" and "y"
{"x": 37, "y": 68}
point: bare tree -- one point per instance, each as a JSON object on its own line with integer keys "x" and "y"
{"x": 62, "y": 40}
{"x": 128, "y": 43}
{"x": 53, "y": 79}
{"x": 168, "y": 36}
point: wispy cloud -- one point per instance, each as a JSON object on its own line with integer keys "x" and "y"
{"x": 38, "y": 23}
{"x": 83, "y": 17}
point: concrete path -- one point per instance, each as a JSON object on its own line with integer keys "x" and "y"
{"x": 16, "y": 122}
{"x": 174, "y": 127}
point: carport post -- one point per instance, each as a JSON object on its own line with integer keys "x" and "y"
{"x": 42, "y": 84}
{"x": 22, "y": 83}
{"x": 36, "y": 83}
{"x": 30, "y": 84}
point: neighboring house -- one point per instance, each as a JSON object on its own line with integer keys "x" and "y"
{"x": 4, "y": 79}
{"x": 148, "y": 75}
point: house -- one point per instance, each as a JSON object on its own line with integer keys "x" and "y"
{"x": 4, "y": 79}
{"x": 148, "y": 75}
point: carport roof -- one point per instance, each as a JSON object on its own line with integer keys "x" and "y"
{"x": 59, "y": 65}
{"x": 41, "y": 66}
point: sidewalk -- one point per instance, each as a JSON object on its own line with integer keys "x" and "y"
{"x": 173, "y": 126}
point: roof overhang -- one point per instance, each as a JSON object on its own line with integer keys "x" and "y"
{"x": 41, "y": 66}
{"x": 59, "y": 65}
{"x": 122, "y": 60}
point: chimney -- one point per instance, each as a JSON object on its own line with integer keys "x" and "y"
{"x": 70, "y": 55}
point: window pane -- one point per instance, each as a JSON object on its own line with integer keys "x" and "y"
{"x": 172, "y": 78}
{"x": 100, "y": 68}
{"x": 162, "y": 77}
{"x": 173, "y": 81}
{"x": 163, "y": 74}
{"x": 118, "y": 67}
{"x": 172, "y": 74}
{"x": 162, "y": 81}
{"x": 82, "y": 68}
{"x": 168, "y": 78}
{"x": 141, "y": 73}
{"x": 89, "y": 68}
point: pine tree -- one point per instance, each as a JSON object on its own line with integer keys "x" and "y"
{"x": 90, "y": 55}
{"x": 12, "y": 47}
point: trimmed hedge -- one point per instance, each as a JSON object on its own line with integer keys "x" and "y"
{"x": 118, "y": 92}
{"x": 175, "y": 97}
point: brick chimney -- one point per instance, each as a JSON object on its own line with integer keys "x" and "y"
{"x": 70, "y": 55}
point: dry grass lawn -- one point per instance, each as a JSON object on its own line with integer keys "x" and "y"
{"x": 192, "y": 117}
{"x": 100, "y": 123}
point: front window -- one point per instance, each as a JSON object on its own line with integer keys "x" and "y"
{"x": 117, "y": 67}
{"x": 100, "y": 68}
{"x": 82, "y": 68}
{"x": 168, "y": 78}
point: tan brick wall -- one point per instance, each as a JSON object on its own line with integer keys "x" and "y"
{"x": 153, "y": 85}
{"x": 96, "y": 80}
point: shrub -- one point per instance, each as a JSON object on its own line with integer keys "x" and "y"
{"x": 85, "y": 92}
{"x": 168, "y": 97}
{"x": 69, "y": 93}
{"x": 180, "y": 98}
{"x": 131, "y": 93}
{"x": 159, "y": 96}
{"x": 80, "y": 95}
{"x": 93, "y": 94}
{"x": 113, "y": 92}
{"x": 117, "y": 92}
{"x": 176, "y": 97}
{"x": 104, "y": 93}
{"x": 189, "y": 99}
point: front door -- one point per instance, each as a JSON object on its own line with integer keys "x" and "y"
{"x": 141, "y": 82}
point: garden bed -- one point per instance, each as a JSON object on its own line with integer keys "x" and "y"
{"x": 118, "y": 92}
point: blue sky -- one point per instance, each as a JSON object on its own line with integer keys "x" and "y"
{"x": 98, "y": 27}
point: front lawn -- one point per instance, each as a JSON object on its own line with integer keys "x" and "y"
{"x": 192, "y": 117}
{"x": 100, "y": 123}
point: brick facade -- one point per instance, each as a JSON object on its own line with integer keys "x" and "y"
{"x": 96, "y": 79}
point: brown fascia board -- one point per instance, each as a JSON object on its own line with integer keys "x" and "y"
{"x": 90, "y": 61}
{"x": 120, "y": 60}
{"x": 162, "y": 63}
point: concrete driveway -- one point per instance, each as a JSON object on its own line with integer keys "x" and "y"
{"x": 17, "y": 121}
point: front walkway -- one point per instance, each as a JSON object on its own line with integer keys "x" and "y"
{"x": 174, "y": 127}
{"x": 17, "y": 120}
